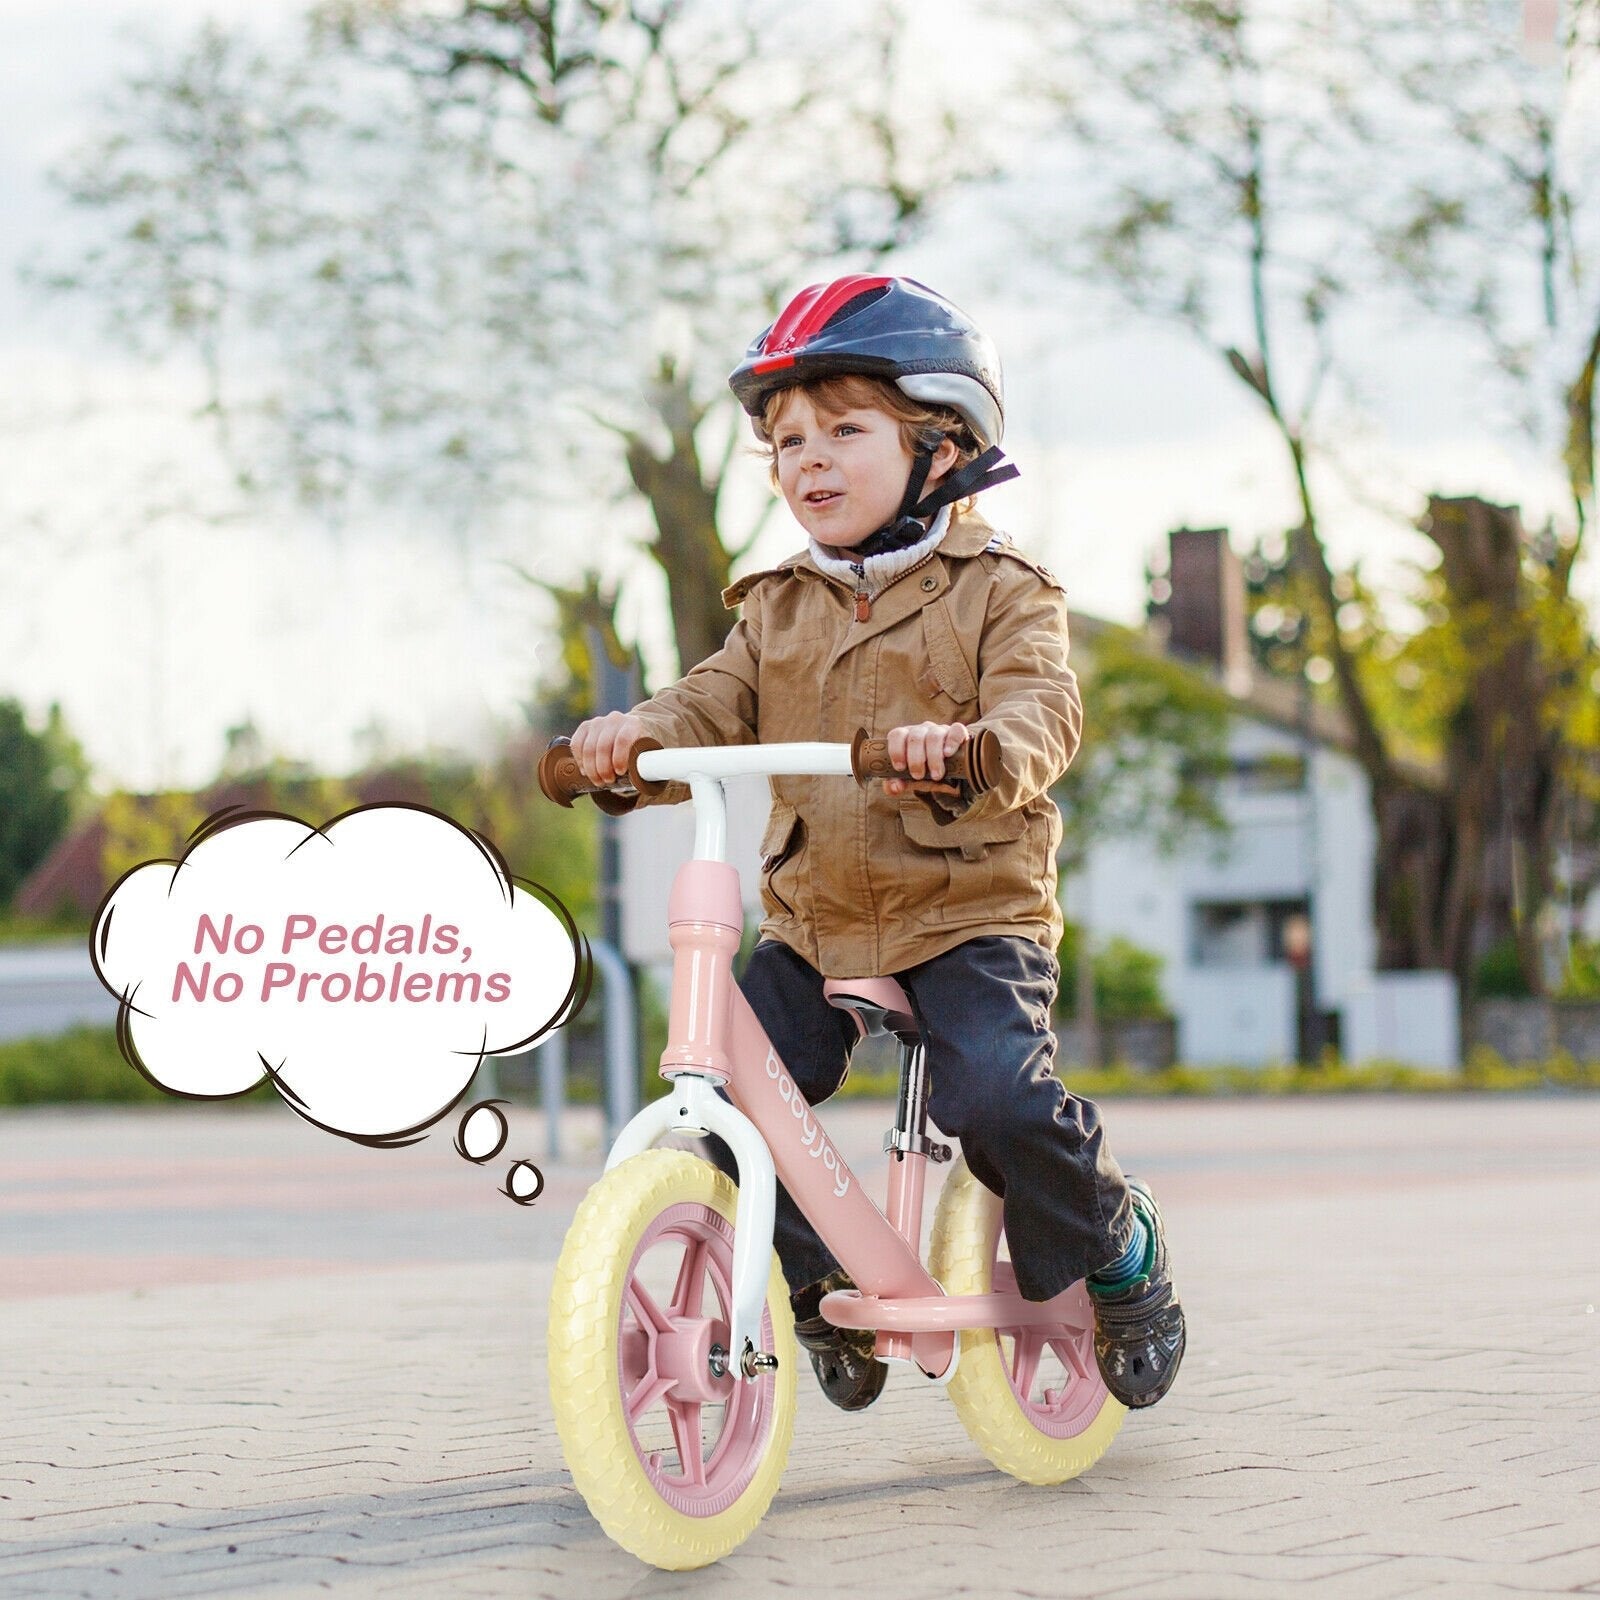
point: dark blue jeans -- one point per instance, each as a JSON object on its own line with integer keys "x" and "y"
{"x": 984, "y": 1008}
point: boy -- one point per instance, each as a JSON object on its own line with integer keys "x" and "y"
{"x": 880, "y": 404}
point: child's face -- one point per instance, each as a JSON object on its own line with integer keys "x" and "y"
{"x": 842, "y": 476}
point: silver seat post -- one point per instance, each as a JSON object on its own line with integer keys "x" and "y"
{"x": 911, "y": 1112}
{"x": 909, "y": 1135}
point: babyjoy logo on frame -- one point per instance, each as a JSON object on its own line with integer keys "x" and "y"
{"x": 366, "y": 967}
{"x": 811, "y": 1134}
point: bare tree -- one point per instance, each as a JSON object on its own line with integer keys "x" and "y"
{"x": 506, "y": 252}
{"x": 1230, "y": 190}
{"x": 1498, "y": 236}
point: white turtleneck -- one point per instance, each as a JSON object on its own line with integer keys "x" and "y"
{"x": 881, "y": 570}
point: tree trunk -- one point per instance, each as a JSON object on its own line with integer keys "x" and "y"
{"x": 1503, "y": 753}
{"x": 687, "y": 545}
{"x": 1467, "y": 863}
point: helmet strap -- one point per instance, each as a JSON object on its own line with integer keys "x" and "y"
{"x": 982, "y": 473}
{"x": 909, "y": 525}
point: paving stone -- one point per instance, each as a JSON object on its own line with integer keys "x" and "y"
{"x": 1347, "y": 1425}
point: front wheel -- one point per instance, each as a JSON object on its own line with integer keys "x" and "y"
{"x": 1031, "y": 1399}
{"x": 677, "y": 1464}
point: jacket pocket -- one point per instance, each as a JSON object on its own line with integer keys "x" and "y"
{"x": 780, "y": 844}
{"x": 946, "y": 669}
{"x": 960, "y": 871}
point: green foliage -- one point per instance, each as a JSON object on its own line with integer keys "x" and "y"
{"x": 1582, "y": 978}
{"x": 586, "y": 621}
{"x": 553, "y": 846}
{"x": 140, "y": 828}
{"x": 64, "y": 925}
{"x": 1154, "y": 744}
{"x": 83, "y": 1065}
{"x": 42, "y": 774}
{"x": 1485, "y": 1073}
{"x": 1499, "y": 975}
{"x": 1127, "y": 979}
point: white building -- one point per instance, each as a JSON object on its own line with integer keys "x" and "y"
{"x": 1266, "y": 934}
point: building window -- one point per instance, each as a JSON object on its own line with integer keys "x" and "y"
{"x": 1242, "y": 933}
{"x": 1274, "y": 773}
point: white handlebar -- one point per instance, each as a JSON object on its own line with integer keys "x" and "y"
{"x": 746, "y": 760}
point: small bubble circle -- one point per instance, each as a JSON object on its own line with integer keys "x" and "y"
{"x": 524, "y": 1182}
{"x": 482, "y": 1133}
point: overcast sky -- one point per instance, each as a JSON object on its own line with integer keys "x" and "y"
{"x": 158, "y": 635}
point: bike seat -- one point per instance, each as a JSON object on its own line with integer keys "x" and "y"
{"x": 879, "y": 1005}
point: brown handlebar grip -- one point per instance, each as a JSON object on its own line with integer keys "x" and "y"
{"x": 643, "y": 785}
{"x": 976, "y": 764}
{"x": 561, "y": 779}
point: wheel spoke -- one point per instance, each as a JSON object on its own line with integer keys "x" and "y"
{"x": 646, "y": 1312}
{"x": 1026, "y": 1365}
{"x": 685, "y": 1415}
{"x": 689, "y": 1291}
{"x": 651, "y": 1389}
{"x": 1077, "y": 1355}
{"x": 634, "y": 1356}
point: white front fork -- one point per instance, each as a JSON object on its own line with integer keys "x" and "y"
{"x": 694, "y": 1106}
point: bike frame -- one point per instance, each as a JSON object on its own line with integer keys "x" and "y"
{"x": 716, "y": 1043}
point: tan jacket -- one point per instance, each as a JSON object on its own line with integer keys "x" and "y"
{"x": 858, "y": 882}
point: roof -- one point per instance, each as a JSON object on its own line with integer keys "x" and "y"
{"x": 1276, "y": 701}
{"x": 72, "y": 876}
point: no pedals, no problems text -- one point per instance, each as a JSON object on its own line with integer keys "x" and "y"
{"x": 369, "y": 983}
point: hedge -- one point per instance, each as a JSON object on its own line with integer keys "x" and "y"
{"x": 83, "y": 1065}
{"x": 86, "y": 1066}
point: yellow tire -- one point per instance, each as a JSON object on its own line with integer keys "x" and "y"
{"x": 677, "y": 1465}
{"x": 1002, "y": 1387}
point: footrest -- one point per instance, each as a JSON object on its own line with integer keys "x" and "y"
{"x": 849, "y": 1308}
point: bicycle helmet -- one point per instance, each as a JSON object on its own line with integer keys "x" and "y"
{"x": 899, "y": 330}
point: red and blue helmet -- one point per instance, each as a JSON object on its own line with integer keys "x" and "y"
{"x": 890, "y": 328}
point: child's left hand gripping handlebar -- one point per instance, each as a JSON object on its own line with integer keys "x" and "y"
{"x": 968, "y": 772}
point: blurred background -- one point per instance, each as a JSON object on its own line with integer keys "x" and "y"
{"x": 364, "y": 424}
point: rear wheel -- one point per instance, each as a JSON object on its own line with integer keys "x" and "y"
{"x": 1031, "y": 1399}
{"x": 677, "y": 1464}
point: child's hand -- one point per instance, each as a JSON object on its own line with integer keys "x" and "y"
{"x": 602, "y": 745}
{"x": 920, "y": 749}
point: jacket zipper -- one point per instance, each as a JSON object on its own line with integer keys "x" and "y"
{"x": 864, "y": 600}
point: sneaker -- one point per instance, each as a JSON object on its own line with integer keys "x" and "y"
{"x": 1139, "y": 1333}
{"x": 850, "y": 1375}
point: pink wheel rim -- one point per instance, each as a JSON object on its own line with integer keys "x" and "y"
{"x": 1059, "y": 1400}
{"x": 670, "y": 1397}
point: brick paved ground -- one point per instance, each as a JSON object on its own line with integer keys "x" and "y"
{"x": 242, "y": 1358}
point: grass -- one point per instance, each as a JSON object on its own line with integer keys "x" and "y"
{"x": 1484, "y": 1073}
{"x": 67, "y": 928}
{"x": 82, "y": 1066}
{"x": 86, "y": 1066}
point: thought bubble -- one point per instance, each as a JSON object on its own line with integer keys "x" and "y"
{"x": 482, "y": 1134}
{"x": 366, "y": 967}
{"x": 524, "y": 1182}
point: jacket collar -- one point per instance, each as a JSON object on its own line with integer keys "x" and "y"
{"x": 968, "y": 535}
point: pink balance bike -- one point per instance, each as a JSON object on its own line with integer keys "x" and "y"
{"x": 672, "y": 1357}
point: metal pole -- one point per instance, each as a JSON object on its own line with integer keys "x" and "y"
{"x": 622, "y": 1050}
{"x": 552, "y": 1053}
{"x": 617, "y": 688}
